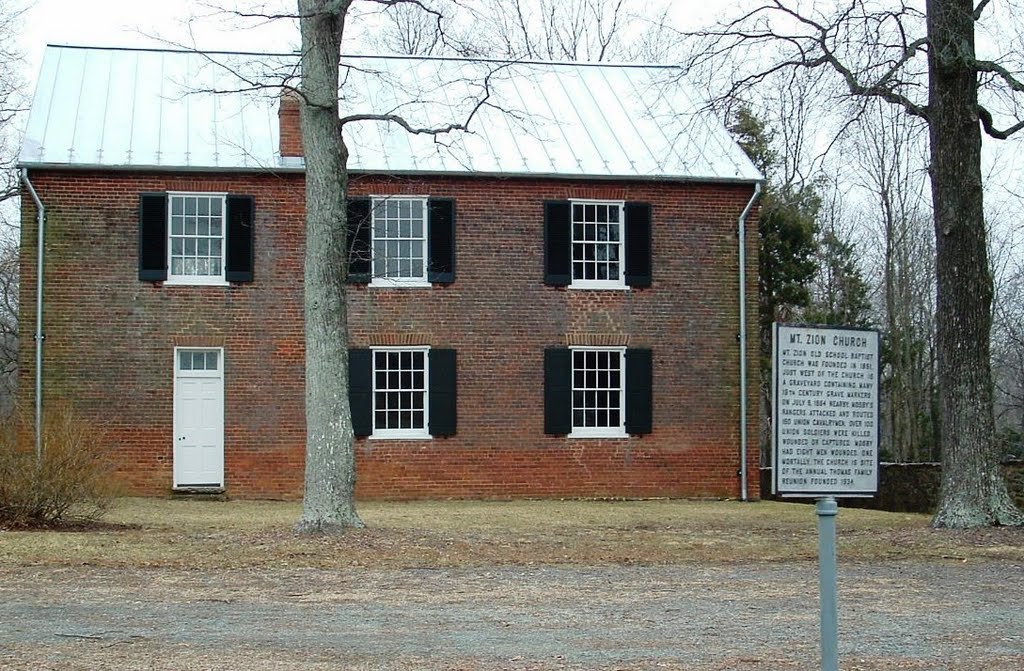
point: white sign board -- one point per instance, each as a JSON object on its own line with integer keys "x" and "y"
{"x": 825, "y": 393}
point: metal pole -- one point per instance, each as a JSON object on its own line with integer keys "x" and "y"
{"x": 742, "y": 233}
{"x": 827, "y": 510}
{"x": 40, "y": 242}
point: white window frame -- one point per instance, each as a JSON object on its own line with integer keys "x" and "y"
{"x": 380, "y": 280}
{"x": 198, "y": 280}
{"x": 599, "y": 431}
{"x": 620, "y": 283}
{"x": 205, "y": 372}
{"x": 401, "y": 434}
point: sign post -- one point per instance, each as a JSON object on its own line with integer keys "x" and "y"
{"x": 825, "y": 437}
{"x": 828, "y": 582}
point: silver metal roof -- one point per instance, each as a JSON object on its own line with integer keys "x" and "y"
{"x": 122, "y": 108}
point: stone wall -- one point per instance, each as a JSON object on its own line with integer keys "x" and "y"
{"x": 911, "y": 488}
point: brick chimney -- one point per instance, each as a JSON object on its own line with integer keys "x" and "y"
{"x": 289, "y": 125}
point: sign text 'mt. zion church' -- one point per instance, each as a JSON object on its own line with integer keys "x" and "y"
{"x": 825, "y": 388}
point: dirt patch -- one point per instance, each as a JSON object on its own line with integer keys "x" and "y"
{"x": 905, "y": 615}
{"x": 69, "y": 526}
{"x": 541, "y": 585}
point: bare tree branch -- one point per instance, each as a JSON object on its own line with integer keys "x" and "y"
{"x": 12, "y": 105}
{"x": 9, "y": 191}
{"x": 591, "y": 30}
{"x": 1014, "y": 84}
{"x": 755, "y": 30}
{"x": 463, "y": 125}
{"x": 990, "y": 129}
{"x": 1008, "y": 77}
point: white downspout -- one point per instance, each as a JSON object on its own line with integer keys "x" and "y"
{"x": 743, "y": 340}
{"x": 41, "y": 221}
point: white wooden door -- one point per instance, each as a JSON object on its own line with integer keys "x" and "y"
{"x": 198, "y": 417}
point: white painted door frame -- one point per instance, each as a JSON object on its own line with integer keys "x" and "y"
{"x": 198, "y": 417}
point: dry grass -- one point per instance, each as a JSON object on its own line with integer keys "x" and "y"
{"x": 243, "y": 534}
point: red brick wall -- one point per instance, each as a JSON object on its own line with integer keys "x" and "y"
{"x": 110, "y": 338}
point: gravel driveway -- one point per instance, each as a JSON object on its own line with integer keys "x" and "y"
{"x": 906, "y": 615}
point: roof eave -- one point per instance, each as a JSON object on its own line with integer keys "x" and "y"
{"x": 298, "y": 169}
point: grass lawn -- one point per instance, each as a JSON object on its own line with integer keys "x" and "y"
{"x": 244, "y": 534}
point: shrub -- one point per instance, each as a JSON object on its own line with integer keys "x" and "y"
{"x": 73, "y": 483}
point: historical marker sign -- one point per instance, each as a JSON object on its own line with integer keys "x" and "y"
{"x": 825, "y": 392}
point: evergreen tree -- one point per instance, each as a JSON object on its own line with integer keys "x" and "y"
{"x": 787, "y": 227}
{"x": 786, "y": 257}
{"x": 840, "y": 292}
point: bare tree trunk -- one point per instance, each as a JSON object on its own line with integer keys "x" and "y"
{"x": 329, "y": 500}
{"x": 897, "y": 381}
{"x": 974, "y": 492}
{"x": 889, "y": 153}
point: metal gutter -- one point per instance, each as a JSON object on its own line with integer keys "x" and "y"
{"x": 744, "y": 476}
{"x": 694, "y": 179}
{"x": 40, "y": 239}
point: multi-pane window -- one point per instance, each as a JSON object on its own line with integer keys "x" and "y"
{"x": 598, "y": 392}
{"x": 196, "y": 237}
{"x": 597, "y": 244}
{"x": 399, "y": 392}
{"x": 399, "y": 240}
{"x": 198, "y": 359}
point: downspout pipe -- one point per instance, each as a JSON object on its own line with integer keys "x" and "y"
{"x": 40, "y": 239}
{"x": 742, "y": 229}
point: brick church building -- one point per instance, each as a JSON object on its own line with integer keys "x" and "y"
{"x": 545, "y": 305}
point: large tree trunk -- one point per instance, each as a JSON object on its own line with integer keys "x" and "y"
{"x": 973, "y": 490}
{"x": 329, "y": 501}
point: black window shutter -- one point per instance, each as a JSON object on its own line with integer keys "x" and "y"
{"x": 443, "y": 406}
{"x": 557, "y": 244}
{"x": 360, "y": 390}
{"x": 558, "y": 391}
{"x": 638, "y": 244}
{"x": 359, "y": 223}
{"x": 241, "y": 238}
{"x": 153, "y": 237}
{"x": 639, "y": 399}
{"x": 441, "y": 241}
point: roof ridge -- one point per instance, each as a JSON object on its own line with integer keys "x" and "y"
{"x": 390, "y": 57}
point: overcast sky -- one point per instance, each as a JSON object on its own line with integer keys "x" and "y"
{"x": 143, "y": 23}
{"x": 140, "y": 23}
